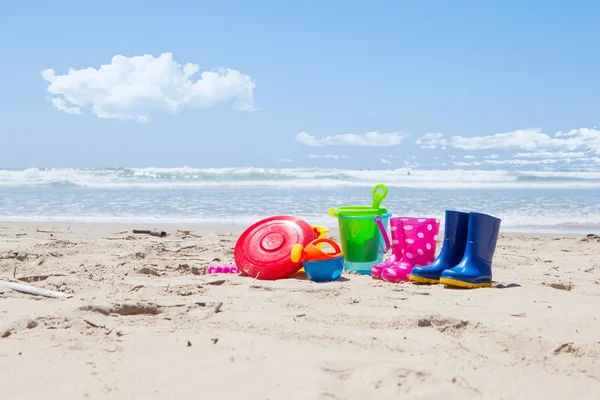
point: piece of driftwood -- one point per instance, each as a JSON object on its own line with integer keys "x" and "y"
{"x": 33, "y": 290}
{"x": 151, "y": 233}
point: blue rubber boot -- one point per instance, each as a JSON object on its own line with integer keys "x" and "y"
{"x": 475, "y": 268}
{"x": 453, "y": 248}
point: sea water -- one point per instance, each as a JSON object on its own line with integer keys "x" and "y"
{"x": 529, "y": 201}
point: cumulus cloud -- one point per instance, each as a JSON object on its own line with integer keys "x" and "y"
{"x": 384, "y": 161}
{"x": 467, "y": 164}
{"x": 62, "y": 105}
{"x": 550, "y": 154}
{"x": 431, "y": 141}
{"x": 502, "y": 162}
{"x": 327, "y": 156}
{"x": 469, "y": 157}
{"x": 374, "y": 139}
{"x": 409, "y": 163}
{"x": 583, "y": 139}
{"x": 135, "y": 87}
{"x": 547, "y": 161}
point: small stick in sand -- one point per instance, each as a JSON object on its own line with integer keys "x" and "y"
{"x": 33, "y": 290}
{"x": 42, "y": 231}
{"x": 187, "y": 233}
{"x": 255, "y": 278}
{"x": 151, "y": 233}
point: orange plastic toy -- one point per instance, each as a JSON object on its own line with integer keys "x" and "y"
{"x": 313, "y": 252}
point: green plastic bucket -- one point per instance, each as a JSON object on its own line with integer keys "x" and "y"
{"x": 362, "y": 242}
{"x": 360, "y": 237}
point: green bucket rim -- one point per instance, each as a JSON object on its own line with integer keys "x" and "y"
{"x": 357, "y": 211}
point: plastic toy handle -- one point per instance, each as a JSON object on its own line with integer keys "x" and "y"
{"x": 320, "y": 230}
{"x": 333, "y": 244}
{"x": 378, "y": 197}
{"x": 297, "y": 253}
{"x": 332, "y": 212}
{"x": 383, "y": 233}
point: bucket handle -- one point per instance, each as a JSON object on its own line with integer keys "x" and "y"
{"x": 336, "y": 247}
{"x": 379, "y": 223}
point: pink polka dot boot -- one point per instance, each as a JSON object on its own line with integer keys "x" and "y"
{"x": 420, "y": 240}
{"x": 397, "y": 248}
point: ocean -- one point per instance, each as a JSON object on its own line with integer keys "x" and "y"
{"x": 526, "y": 201}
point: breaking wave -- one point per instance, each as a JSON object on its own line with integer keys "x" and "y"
{"x": 187, "y": 177}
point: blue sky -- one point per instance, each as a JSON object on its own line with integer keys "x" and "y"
{"x": 422, "y": 76}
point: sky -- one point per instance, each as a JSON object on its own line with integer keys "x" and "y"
{"x": 328, "y": 84}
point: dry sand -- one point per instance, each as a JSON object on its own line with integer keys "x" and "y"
{"x": 143, "y": 324}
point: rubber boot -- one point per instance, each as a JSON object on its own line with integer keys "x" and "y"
{"x": 397, "y": 248}
{"x": 420, "y": 238}
{"x": 453, "y": 248}
{"x": 475, "y": 268}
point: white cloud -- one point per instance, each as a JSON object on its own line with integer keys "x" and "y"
{"x": 583, "y": 137}
{"x": 505, "y": 162}
{"x": 135, "y": 87}
{"x": 492, "y": 157}
{"x": 469, "y": 157}
{"x": 384, "y": 161}
{"x": 550, "y": 154}
{"x": 411, "y": 164}
{"x": 62, "y": 105}
{"x": 522, "y": 139}
{"x": 285, "y": 160}
{"x": 431, "y": 141}
{"x": 327, "y": 156}
{"x": 374, "y": 139}
{"x": 466, "y": 164}
{"x": 546, "y": 161}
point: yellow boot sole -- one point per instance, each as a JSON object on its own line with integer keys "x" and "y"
{"x": 418, "y": 279}
{"x": 466, "y": 285}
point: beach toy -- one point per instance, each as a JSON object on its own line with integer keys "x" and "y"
{"x": 222, "y": 269}
{"x": 456, "y": 229}
{"x": 320, "y": 232}
{"x": 397, "y": 245}
{"x": 361, "y": 239}
{"x": 320, "y": 266}
{"x": 420, "y": 240}
{"x": 364, "y": 211}
{"x": 475, "y": 268}
{"x": 314, "y": 251}
{"x": 381, "y": 227}
{"x": 263, "y": 250}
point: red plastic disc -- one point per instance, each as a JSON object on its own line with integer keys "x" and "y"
{"x": 263, "y": 250}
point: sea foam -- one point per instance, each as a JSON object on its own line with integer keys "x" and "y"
{"x": 187, "y": 177}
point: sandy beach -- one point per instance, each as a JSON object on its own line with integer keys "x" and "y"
{"x": 146, "y": 322}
